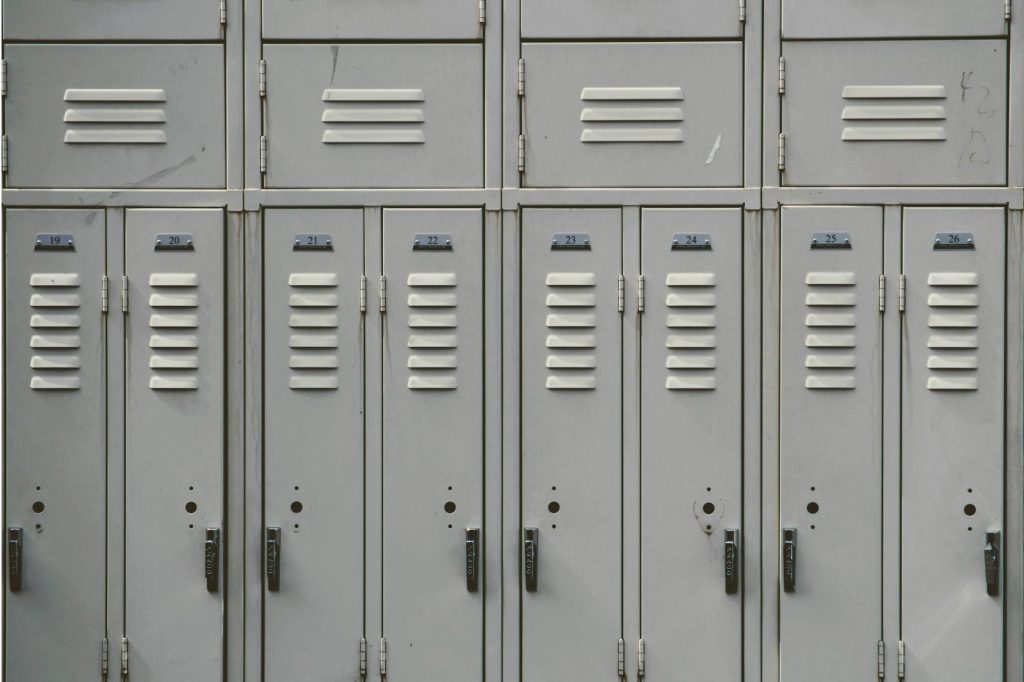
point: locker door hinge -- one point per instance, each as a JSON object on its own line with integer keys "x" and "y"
{"x": 522, "y": 154}
{"x": 782, "y": 151}
{"x": 104, "y": 294}
{"x": 362, "y": 293}
{"x": 521, "y": 78}
{"x": 622, "y": 294}
{"x": 3, "y": 153}
{"x": 782, "y": 75}
{"x": 641, "y": 662}
{"x": 483, "y": 11}
{"x": 263, "y": 78}
{"x": 223, "y": 12}
{"x": 124, "y": 657}
{"x": 743, "y": 11}
{"x": 901, "y": 660}
{"x": 3, "y": 77}
{"x": 622, "y": 658}
{"x": 881, "y": 293}
{"x": 641, "y": 299}
{"x": 104, "y": 657}
{"x": 124, "y": 293}
{"x": 903, "y": 292}
{"x": 881, "y": 660}
{"x": 263, "y": 153}
{"x": 362, "y": 657}
{"x": 383, "y": 297}
{"x": 1007, "y": 11}
{"x": 383, "y": 657}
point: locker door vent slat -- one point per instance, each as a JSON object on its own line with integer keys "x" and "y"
{"x": 432, "y": 318}
{"x": 831, "y": 324}
{"x": 953, "y": 342}
{"x": 374, "y": 116}
{"x": 115, "y": 117}
{"x": 314, "y": 323}
{"x": 894, "y": 113}
{"x": 54, "y": 302}
{"x": 632, "y": 115}
{"x": 571, "y": 320}
{"x": 690, "y": 347}
{"x": 174, "y": 341}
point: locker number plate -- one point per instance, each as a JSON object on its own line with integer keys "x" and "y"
{"x": 954, "y": 241}
{"x": 178, "y": 241}
{"x": 831, "y": 240}
{"x": 55, "y": 242}
{"x": 312, "y": 242}
{"x": 691, "y": 241}
{"x": 433, "y": 242}
{"x": 570, "y": 241}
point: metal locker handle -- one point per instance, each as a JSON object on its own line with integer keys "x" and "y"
{"x": 732, "y": 561}
{"x": 789, "y": 559}
{"x": 992, "y": 562}
{"x": 212, "y": 559}
{"x": 472, "y": 559}
{"x": 273, "y": 559}
{"x": 531, "y": 542}
{"x": 14, "y": 546}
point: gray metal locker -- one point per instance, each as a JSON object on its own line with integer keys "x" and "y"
{"x": 639, "y": 19}
{"x": 571, "y": 474}
{"x": 55, "y": 444}
{"x": 691, "y": 440}
{"x": 433, "y": 444}
{"x": 175, "y": 441}
{"x": 313, "y": 443}
{"x": 633, "y": 114}
{"x": 366, "y": 19}
{"x": 830, "y": 461}
{"x": 374, "y": 115}
{"x": 952, "y": 474}
{"x": 883, "y": 19}
{"x": 112, "y": 20}
{"x": 115, "y": 116}
{"x": 929, "y": 112}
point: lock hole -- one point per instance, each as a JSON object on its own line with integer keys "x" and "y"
{"x": 38, "y": 507}
{"x": 709, "y": 508}
{"x": 970, "y": 509}
{"x": 812, "y": 507}
{"x": 449, "y": 507}
{"x": 296, "y": 507}
{"x": 553, "y": 507}
{"x": 191, "y": 507}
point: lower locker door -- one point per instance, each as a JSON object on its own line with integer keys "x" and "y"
{"x": 571, "y": 444}
{"x": 55, "y": 445}
{"x": 433, "y": 444}
{"x": 953, "y": 365}
{"x": 691, "y": 436}
{"x": 175, "y": 444}
{"x": 313, "y": 444}
{"x": 830, "y": 460}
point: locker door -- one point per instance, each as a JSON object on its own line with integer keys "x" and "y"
{"x": 313, "y": 443}
{"x": 55, "y": 445}
{"x": 112, "y": 19}
{"x": 830, "y": 451}
{"x": 691, "y": 440}
{"x": 953, "y": 364}
{"x": 571, "y": 443}
{"x": 175, "y": 442}
{"x": 433, "y": 444}
{"x": 367, "y": 19}
{"x": 882, "y": 19}
{"x": 638, "y": 19}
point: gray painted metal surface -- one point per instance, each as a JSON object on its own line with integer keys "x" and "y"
{"x": 880, "y": 19}
{"x": 112, "y": 20}
{"x": 644, "y": 19}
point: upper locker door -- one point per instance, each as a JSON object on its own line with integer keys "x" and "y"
{"x": 112, "y": 20}
{"x": 367, "y": 19}
{"x": 882, "y": 18}
{"x": 953, "y": 454}
{"x": 175, "y": 443}
{"x": 391, "y": 115}
{"x": 571, "y": 471}
{"x": 692, "y": 438}
{"x": 55, "y": 446}
{"x": 638, "y": 19}
{"x": 924, "y": 112}
{"x": 830, "y": 459}
{"x": 633, "y": 114}
{"x": 433, "y": 444}
{"x": 313, "y": 443}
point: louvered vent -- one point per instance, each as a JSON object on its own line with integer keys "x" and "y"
{"x": 571, "y": 322}
{"x": 56, "y": 337}
{"x": 313, "y": 320}
{"x": 115, "y": 116}
{"x": 691, "y": 342}
{"x": 632, "y": 115}
{"x": 831, "y": 330}
{"x": 373, "y": 116}
{"x": 432, "y": 331}
{"x": 894, "y": 113}
{"x": 953, "y": 331}
{"x": 174, "y": 339}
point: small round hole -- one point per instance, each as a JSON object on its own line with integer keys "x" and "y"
{"x": 449, "y": 487}
{"x": 812, "y": 526}
{"x": 709, "y": 488}
{"x": 39, "y": 527}
{"x": 812, "y": 507}
{"x": 449, "y": 525}
{"x": 970, "y": 490}
{"x": 38, "y": 507}
{"x": 708, "y": 527}
{"x": 191, "y": 507}
{"x": 449, "y": 507}
{"x": 296, "y": 526}
{"x": 296, "y": 487}
{"x": 554, "y": 525}
{"x": 554, "y": 487}
{"x": 39, "y": 487}
{"x": 296, "y": 507}
{"x": 969, "y": 528}
{"x": 708, "y": 508}
{"x": 970, "y": 509}
{"x": 812, "y": 487}
{"x": 191, "y": 487}
{"x": 191, "y": 525}
{"x": 554, "y": 507}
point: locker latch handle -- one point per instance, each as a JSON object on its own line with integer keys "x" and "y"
{"x": 472, "y": 559}
{"x": 531, "y": 547}
{"x": 14, "y": 546}
{"x": 789, "y": 559}
{"x": 732, "y": 561}
{"x": 992, "y": 562}
{"x": 212, "y": 559}
{"x": 273, "y": 559}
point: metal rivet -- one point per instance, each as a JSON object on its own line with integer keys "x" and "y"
{"x": 448, "y": 242}
{"x": 416, "y": 242}
{"x": 675, "y": 242}
{"x": 814, "y": 241}
{"x": 937, "y": 241}
{"x": 554, "y": 242}
{"x": 586, "y": 241}
{"x": 846, "y": 241}
{"x": 328, "y": 242}
{"x": 707, "y": 242}
{"x": 189, "y": 242}
{"x": 158, "y": 242}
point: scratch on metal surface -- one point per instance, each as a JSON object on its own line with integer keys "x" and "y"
{"x": 714, "y": 150}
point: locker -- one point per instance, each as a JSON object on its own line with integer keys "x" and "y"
{"x": 953, "y": 373}
{"x": 633, "y": 114}
{"x": 365, "y": 19}
{"x": 641, "y": 19}
{"x": 930, "y": 112}
{"x": 691, "y": 441}
{"x": 374, "y": 115}
{"x": 112, "y": 20}
{"x": 175, "y": 439}
{"x": 313, "y": 452}
{"x": 881, "y": 19}
{"x": 571, "y": 472}
{"x": 830, "y": 443}
{"x": 55, "y": 444}
{"x": 115, "y": 116}
{"x": 433, "y": 444}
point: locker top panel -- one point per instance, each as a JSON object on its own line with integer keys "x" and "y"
{"x": 112, "y": 20}
{"x": 373, "y": 20}
{"x": 885, "y": 19}
{"x": 637, "y": 19}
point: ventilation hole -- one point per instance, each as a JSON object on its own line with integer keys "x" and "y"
{"x": 969, "y": 509}
{"x": 449, "y": 507}
{"x": 553, "y": 507}
{"x": 296, "y": 507}
{"x": 812, "y": 507}
{"x": 191, "y": 507}
{"x": 708, "y": 508}
{"x": 38, "y": 507}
